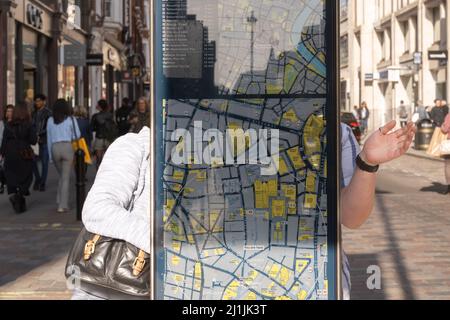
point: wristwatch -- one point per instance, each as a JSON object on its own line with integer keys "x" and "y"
{"x": 365, "y": 167}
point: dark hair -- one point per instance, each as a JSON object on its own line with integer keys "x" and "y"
{"x": 9, "y": 106}
{"x": 40, "y": 97}
{"x": 61, "y": 111}
{"x": 21, "y": 114}
{"x": 103, "y": 104}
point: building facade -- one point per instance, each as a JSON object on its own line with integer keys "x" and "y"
{"x": 393, "y": 51}
{"x": 47, "y": 46}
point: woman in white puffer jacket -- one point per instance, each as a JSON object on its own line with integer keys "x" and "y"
{"x": 124, "y": 170}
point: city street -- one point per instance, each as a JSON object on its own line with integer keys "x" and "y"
{"x": 34, "y": 246}
{"x": 406, "y": 237}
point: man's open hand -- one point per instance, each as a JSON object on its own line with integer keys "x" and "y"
{"x": 384, "y": 146}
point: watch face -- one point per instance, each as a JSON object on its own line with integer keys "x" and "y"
{"x": 242, "y": 134}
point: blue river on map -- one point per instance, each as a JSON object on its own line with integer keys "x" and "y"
{"x": 297, "y": 29}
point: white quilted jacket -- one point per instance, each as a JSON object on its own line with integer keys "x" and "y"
{"x": 124, "y": 170}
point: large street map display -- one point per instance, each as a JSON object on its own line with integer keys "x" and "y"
{"x": 243, "y": 188}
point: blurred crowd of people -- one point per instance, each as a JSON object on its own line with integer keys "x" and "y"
{"x": 31, "y": 140}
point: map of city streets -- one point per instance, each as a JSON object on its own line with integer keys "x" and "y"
{"x": 230, "y": 232}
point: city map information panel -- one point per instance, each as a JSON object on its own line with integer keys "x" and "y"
{"x": 242, "y": 141}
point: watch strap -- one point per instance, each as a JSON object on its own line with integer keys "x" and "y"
{"x": 366, "y": 167}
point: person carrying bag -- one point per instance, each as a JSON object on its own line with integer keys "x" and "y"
{"x": 80, "y": 144}
{"x": 110, "y": 259}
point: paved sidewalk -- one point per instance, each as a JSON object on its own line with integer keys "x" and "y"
{"x": 407, "y": 236}
{"x": 34, "y": 246}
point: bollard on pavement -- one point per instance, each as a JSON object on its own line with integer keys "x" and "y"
{"x": 80, "y": 183}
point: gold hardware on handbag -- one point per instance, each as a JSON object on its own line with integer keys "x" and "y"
{"x": 89, "y": 248}
{"x": 139, "y": 264}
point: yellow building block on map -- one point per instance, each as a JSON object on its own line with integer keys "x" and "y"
{"x": 291, "y": 116}
{"x": 272, "y": 188}
{"x": 284, "y": 276}
{"x": 289, "y": 191}
{"x": 278, "y": 232}
{"x": 315, "y": 161}
{"x": 176, "y": 246}
{"x": 273, "y": 88}
{"x": 197, "y": 284}
{"x": 305, "y": 237}
{"x": 292, "y": 207}
{"x": 178, "y": 278}
{"x": 219, "y": 252}
{"x": 198, "y": 175}
{"x": 170, "y": 203}
{"x": 283, "y": 169}
{"x": 261, "y": 198}
{"x": 231, "y": 290}
{"x": 250, "y": 296}
{"x": 302, "y": 295}
{"x": 278, "y": 208}
{"x": 300, "y": 265}
{"x": 176, "y": 260}
{"x": 178, "y": 175}
{"x": 294, "y": 155}
{"x": 191, "y": 239}
{"x": 198, "y": 270}
{"x": 310, "y": 201}
{"x": 274, "y": 271}
{"x": 311, "y": 182}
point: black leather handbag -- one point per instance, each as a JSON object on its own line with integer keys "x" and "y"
{"x": 109, "y": 268}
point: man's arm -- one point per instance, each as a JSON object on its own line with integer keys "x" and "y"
{"x": 357, "y": 199}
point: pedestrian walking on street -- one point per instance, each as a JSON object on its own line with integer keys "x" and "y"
{"x": 403, "y": 114}
{"x": 356, "y": 113}
{"x": 105, "y": 130}
{"x": 62, "y": 129}
{"x": 446, "y": 130}
{"x": 123, "y": 117}
{"x": 364, "y": 117}
{"x": 140, "y": 117}
{"x": 421, "y": 112}
{"x": 81, "y": 115}
{"x": 40, "y": 118}
{"x": 18, "y": 156}
{"x": 437, "y": 116}
{"x": 7, "y": 118}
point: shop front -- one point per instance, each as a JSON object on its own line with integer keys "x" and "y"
{"x": 35, "y": 48}
{"x": 73, "y": 85}
{"x": 114, "y": 64}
